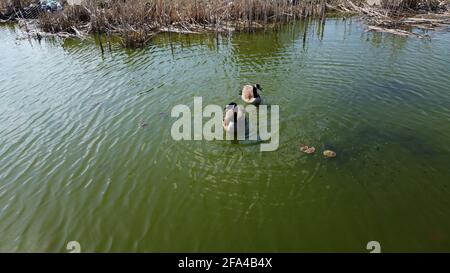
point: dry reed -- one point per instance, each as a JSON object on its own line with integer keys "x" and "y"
{"x": 137, "y": 20}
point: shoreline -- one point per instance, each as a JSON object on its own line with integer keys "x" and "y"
{"x": 136, "y": 27}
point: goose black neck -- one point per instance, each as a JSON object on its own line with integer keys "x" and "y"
{"x": 255, "y": 92}
{"x": 235, "y": 126}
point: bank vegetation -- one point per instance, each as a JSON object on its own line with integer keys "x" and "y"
{"x": 136, "y": 21}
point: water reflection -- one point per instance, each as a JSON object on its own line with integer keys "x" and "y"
{"x": 75, "y": 162}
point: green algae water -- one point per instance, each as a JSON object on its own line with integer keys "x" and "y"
{"x": 76, "y": 166}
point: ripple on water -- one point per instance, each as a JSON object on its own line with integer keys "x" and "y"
{"x": 76, "y": 165}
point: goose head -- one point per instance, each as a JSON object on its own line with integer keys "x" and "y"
{"x": 230, "y": 105}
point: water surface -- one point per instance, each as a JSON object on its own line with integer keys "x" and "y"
{"x": 75, "y": 165}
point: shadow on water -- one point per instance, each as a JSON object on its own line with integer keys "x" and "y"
{"x": 370, "y": 144}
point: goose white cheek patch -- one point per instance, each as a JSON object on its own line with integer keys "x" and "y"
{"x": 253, "y": 124}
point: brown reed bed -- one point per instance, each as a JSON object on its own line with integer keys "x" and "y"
{"x": 14, "y": 3}
{"x": 10, "y": 9}
{"x": 136, "y": 21}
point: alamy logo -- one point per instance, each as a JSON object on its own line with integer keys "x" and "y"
{"x": 235, "y": 122}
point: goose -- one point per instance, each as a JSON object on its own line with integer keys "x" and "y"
{"x": 250, "y": 94}
{"x": 233, "y": 115}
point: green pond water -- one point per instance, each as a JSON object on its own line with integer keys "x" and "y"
{"x": 76, "y": 166}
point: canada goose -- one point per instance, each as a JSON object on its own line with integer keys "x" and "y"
{"x": 233, "y": 115}
{"x": 250, "y": 94}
